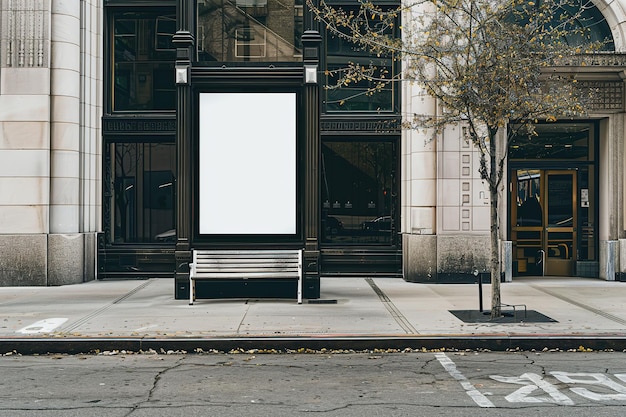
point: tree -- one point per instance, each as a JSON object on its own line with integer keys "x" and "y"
{"x": 488, "y": 63}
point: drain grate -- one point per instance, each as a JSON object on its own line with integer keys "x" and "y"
{"x": 322, "y": 301}
{"x": 476, "y": 316}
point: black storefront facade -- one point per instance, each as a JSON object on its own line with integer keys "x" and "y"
{"x": 219, "y": 134}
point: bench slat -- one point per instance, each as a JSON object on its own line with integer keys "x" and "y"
{"x": 260, "y": 254}
{"x": 245, "y": 268}
{"x": 230, "y": 257}
{"x": 246, "y": 261}
{"x": 248, "y": 275}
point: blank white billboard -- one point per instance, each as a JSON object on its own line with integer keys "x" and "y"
{"x": 247, "y": 163}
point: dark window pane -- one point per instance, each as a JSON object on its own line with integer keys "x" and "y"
{"x": 560, "y": 200}
{"x": 555, "y": 141}
{"x": 529, "y": 210}
{"x": 589, "y": 25}
{"x": 143, "y": 61}
{"x": 143, "y": 195}
{"x": 357, "y": 192}
{"x": 370, "y": 94}
{"x": 357, "y": 96}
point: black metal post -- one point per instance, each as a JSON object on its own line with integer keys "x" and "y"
{"x": 480, "y": 292}
{"x": 184, "y": 42}
{"x": 479, "y": 276}
{"x": 311, "y": 41}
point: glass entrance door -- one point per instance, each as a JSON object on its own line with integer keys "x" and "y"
{"x": 544, "y": 219}
{"x": 560, "y": 220}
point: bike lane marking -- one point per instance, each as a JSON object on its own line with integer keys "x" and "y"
{"x": 596, "y": 379}
{"x": 474, "y": 394}
{"x": 532, "y": 382}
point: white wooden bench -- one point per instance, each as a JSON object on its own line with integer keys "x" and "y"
{"x": 245, "y": 264}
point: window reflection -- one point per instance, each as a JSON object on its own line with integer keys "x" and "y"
{"x": 143, "y": 67}
{"x": 143, "y": 194}
{"x": 357, "y": 192}
{"x": 365, "y": 95}
{"x": 249, "y": 30}
{"x": 529, "y": 210}
{"x": 561, "y": 201}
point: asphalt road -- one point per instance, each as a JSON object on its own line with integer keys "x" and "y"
{"x": 319, "y": 384}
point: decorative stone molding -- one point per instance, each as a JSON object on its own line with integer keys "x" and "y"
{"x": 607, "y": 95}
{"x": 603, "y": 59}
{"x": 130, "y": 126}
{"x": 602, "y": 72}
{"x": 375, "y": 126}
{"x": 24, "y": 33}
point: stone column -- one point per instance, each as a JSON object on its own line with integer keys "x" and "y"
{"x": 24, "y": 141}
{"x": 65, "y": 117}
{"x": 419, "y": 194}
{"x": 75, "y": 113}
{"x": 91, "y": 79}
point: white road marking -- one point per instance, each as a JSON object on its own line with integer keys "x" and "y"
{"x": 621, "y": 377}
{"x": 592, "y": 379}
{"x": 474, "y": 394}
{"x": 532, "y": 382}
{"x": 43, "y": 326}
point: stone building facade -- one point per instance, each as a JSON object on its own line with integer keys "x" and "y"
{"x": 50, "y": 140}
{"x": 446, "y": 220}
{"x": 68, "y": 107}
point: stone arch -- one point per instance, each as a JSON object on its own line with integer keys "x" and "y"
{"x": 614, "y": 11}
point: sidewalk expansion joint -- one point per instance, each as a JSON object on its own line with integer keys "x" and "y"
{"x": 93, "y": 314}
{"x": 581, "y": 305}
{"x": 402, "y": 321}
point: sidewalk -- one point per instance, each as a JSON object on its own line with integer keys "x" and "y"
{"x": 353, "y": 313}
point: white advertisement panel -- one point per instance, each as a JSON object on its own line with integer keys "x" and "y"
{"x": 247, "y": 163}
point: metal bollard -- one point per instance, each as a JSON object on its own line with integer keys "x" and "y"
{"x": 480, "y": 289}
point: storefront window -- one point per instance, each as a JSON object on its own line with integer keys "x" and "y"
{"x": 363, "y": 95}
{"x": 358, "y": 197}
{"x": 143, "y": 192}
{"x": 249, "y": 30}
{"x": 143, "y": 61}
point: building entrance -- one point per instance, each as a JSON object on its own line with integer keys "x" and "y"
{"x": 544, "y": 220}
{"x": 554, "y": 200}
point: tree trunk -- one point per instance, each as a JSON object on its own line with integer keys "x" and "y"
{"x": 494, "y": 174}
{"x": 495, "y": 258}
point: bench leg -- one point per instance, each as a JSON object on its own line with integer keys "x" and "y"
{"x": 300, "y": 274}
{"x": 192, "y": 291}
{"x": 300, "y": 290}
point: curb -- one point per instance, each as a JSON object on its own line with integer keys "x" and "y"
{"x": 32, "y": 346}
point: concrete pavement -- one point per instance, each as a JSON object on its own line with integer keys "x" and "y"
{"x": 353, "y": 313}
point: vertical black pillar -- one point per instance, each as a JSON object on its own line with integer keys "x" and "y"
{"x": 311, "y": 41}
{"x": 184, "y": 42}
